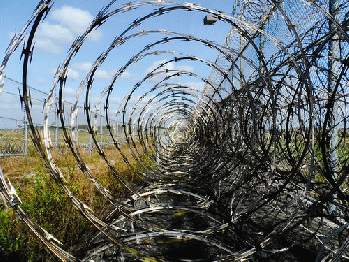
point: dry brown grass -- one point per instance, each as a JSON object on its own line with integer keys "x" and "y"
{"x": 45, "y": 202}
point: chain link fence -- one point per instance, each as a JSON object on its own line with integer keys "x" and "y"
{"x": 13, "y": 126}
{"x": 14, "y": 138}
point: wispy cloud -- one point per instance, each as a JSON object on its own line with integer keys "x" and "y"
{"x": 48, "y": 45}
{"x": 85, "y": 67}
{"x": 169, "y": 66}
{"x": 77, "y": 20}
{"x": 196, "y": 86}
{"x": 55, "y": 32}
{"x": 103, "y": 74}
{"x": 72, "y": 74}
{"x": 40, "y": 81}
{"x": 62, "y": 27}
{"x": 69, "y": 92}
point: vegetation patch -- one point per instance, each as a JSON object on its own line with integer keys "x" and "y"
{"x": 48, "y": 206}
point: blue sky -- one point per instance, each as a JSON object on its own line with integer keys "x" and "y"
{"x": 69, "y": 19}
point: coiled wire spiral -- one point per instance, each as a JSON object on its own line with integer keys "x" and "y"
{"x": 252, "y": 166}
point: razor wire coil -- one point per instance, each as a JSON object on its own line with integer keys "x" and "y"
{"x": 257, "y": 155}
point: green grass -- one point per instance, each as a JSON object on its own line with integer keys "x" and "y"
{"x": 49, "y": 207}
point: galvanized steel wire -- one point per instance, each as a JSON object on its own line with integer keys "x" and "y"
{"x": 258, "y": 156}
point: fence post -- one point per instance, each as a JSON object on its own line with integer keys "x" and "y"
{"x": 56, "y": 120}
{"x": 333, "y": 66}
{"x": 133, "y": 133}
{"x": 77, "y": 128}
{"x": 91, "y": 149}
{"x": 25, "y": 130}
{"x": 101, "y": 127}
{"x": 242, "y": 62}
{"x": 117, "y": 131}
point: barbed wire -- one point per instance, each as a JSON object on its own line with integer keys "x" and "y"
{"x": 250, "y": 167}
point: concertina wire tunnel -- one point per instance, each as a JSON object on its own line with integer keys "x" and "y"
{"x": 251, "y": 167}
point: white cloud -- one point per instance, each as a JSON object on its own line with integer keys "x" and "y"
{"x": 40, "y": 81}
{"x": 69, "y": 91}
{"x": 73, "y": 74}
{"x": 196, "y": 86}
{"x": 115, "y": 99}
{"x": 169, "y": 66}
{"x": 48, "y": 45}
{"x": 76, "y": 19}
{"x": 126, "y": 75}
{"x": 84, "y": 67}
{"x": 63, "y": 26}
{"x": 52, "y": 71}
{"x": 11, "y": 35}
{"x": 57, "y": 33}
{"x": 103, "y": 74}
{"x": 95, "y": 35}
{"x": 187, "y": 68}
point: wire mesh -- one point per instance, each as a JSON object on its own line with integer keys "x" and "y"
{"x": 251, "y": 164}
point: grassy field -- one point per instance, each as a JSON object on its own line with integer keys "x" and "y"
{"x": 12, "y": 141}
{"x": 46, "y": 204}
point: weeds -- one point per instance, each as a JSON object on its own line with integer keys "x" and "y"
{"x": 49, "y": 207}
